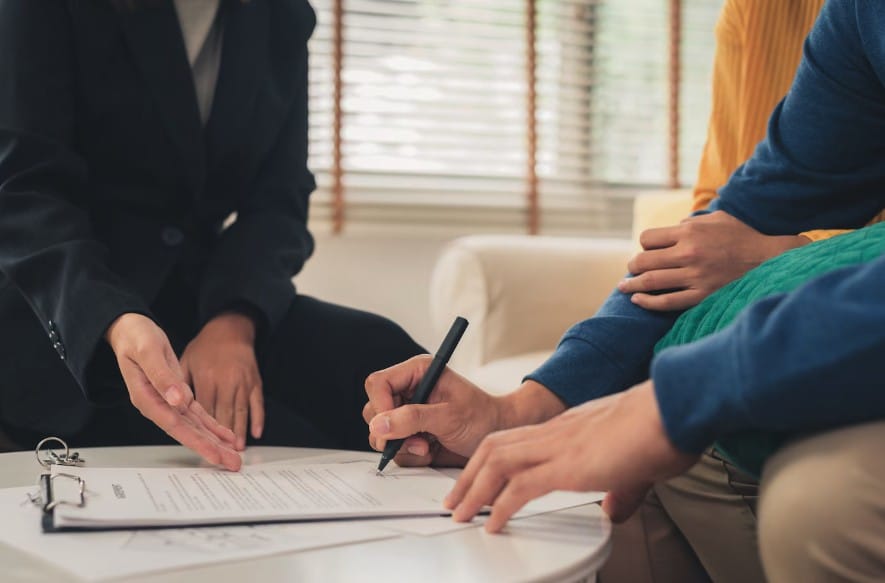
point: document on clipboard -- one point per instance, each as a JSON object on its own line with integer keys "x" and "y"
{"x": 80, "y": 498}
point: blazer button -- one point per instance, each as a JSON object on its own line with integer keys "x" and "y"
{"x": 172, "y": 236}
{"x": 60, "y": 349}
{"x": 51, "y": 326}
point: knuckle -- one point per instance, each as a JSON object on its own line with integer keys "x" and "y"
{"x": 495, "y": 463}
{"x": 372, "y": 380}
{"x": 414, "y": 416}
{"x": 690, "y": 227}
{"x": 484, "y": 446}
{"x": 140, "y": 349}
{"x": 689, "y": 253}
{"x": 172, "y": 422}
{"x": 667, "y": 303}
{"x": 637, "y": 264}
{"x": 421, "y": 363}
{"x": 494, "y": 439}
{"x": 631, "y": 265}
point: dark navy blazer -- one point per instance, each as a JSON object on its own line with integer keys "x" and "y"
{"x": 109, "y": 183}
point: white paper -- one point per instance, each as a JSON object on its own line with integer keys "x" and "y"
{"x": 338, "y": 457}
{"x": 132, "y": 497}
{"x": 436, "y": 525}
{"x": 115, "y": 554}
{"x": 432, "y": 526}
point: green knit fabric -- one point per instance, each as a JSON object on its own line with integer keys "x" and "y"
{"x": 781, "y": 274}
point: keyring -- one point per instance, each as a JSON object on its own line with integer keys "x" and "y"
{"x": 68, "y": 459}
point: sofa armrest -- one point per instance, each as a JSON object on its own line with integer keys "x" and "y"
{"x": 520, "y": 293}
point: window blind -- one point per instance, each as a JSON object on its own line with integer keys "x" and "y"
{"x": 436, "y": 103}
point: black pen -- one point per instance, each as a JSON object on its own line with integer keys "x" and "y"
{"x": 428, "y": 381}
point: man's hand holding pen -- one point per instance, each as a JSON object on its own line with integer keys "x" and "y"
{"x": 458, "y": 415}
{"x": 521, "y": 446}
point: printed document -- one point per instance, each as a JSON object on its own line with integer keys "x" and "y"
{"x": 297, "y": 491}
{"x": 102, "y": 555}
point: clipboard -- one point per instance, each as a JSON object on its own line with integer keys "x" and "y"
{"x": 135, "y": 498}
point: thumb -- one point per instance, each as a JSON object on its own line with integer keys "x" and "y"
{"x": 621, "y": 504}
{"x": 165, "y": 379}
{"x": 408, "y": 420}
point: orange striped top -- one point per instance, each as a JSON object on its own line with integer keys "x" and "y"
{"x": 758, "y": 49}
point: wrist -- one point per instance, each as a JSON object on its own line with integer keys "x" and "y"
{"x": 783, "y": 243}
{"x": 233, "y": 325}
{"x": 531, "y": 403}
{"x": 116, "y": 332}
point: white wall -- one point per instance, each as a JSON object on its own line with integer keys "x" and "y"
{"x": 385, "y": 274}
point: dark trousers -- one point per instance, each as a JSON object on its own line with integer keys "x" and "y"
{"x": 313, "y": 367}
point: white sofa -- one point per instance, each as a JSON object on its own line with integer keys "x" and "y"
{"x": 521, "y": 293}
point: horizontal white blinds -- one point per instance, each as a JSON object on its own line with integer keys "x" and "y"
{"x": 434, "y": 107}
{"x": 630, "y": 96}
{"x": 698, "y": 46}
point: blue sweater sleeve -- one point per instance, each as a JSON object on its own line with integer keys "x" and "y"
{"x": 821, "y": 165}
{"x": 605, "y": 354}
{"x": 803, "y": 361}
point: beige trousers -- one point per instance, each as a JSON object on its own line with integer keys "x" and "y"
{"x": 821, "y": 518}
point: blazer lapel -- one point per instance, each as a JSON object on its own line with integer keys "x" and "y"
{"x": 154, "y": 36}
{"x": 244, "y": 60}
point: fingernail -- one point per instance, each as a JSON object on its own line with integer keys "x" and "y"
{"x": 621, "y": 285}
{"x": 381, "y": 425}
{"x": 172, "y": 395}
{"x": 414, "y": 450}
{"x": 457, "y": 513}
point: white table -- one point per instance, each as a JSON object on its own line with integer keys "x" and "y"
{"x": 568, "y": 545}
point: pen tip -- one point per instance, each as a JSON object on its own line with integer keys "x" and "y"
{"x": 382, "y": 464}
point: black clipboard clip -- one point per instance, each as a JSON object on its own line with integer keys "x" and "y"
{"x": 46, "y": 497}
{"x": 47, "y": 500}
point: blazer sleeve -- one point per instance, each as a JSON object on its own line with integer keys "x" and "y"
{"x": 47, "y": 248}
{"x": 257, "y": 256}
